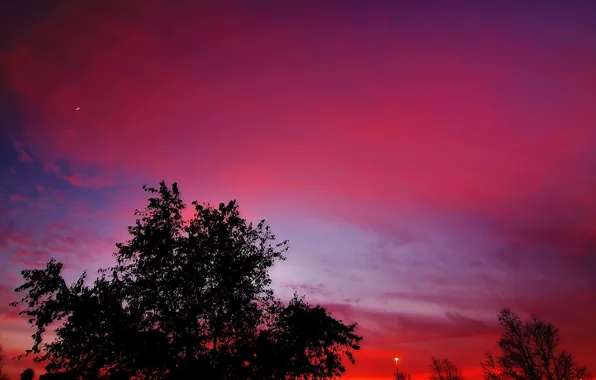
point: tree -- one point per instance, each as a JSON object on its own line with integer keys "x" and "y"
{"x": 444, "y": 369}
{"x": 530, "y": 350}
{"x": 3, "y": 376}
{"x": 27, "y": 374}
{"x": 298, "y": 326}
{"x": 184, "y": 299}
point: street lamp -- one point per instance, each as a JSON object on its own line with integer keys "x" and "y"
{"x": 396, "y": 359}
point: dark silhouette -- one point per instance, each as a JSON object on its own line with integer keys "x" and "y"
{"x": 402, "y": 375}
{"x": 444, "y": 369}
{"x": 27, "y": 374}
{"x": 3, "y": 376}
{"x": 186, "y": 299}
{"x": 56, "y": 376}
{"x": 530, "y": 350}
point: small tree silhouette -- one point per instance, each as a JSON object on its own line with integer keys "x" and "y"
{"x": 402, "y": 375}
{"x": 530, "y": 350}
{"x": 444, "y": 369}
{"x": 27, "y": 374}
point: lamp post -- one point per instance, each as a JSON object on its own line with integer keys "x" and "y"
{"x": 396, "y": 359}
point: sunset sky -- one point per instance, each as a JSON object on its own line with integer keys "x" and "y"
{"x": 430, "y": 161}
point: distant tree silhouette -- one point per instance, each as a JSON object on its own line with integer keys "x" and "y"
{"x": 530, "y": 351}
{"x": 3, "y": 376}
{"x": 186, "y": 299}
{"x": 58, "y": 376}
{"x": 402, "y": 375}
{"x": 444, "y": 369}
{"x": 27, "y": 374}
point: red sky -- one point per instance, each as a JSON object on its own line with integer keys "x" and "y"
{"x": 430, "y": 162}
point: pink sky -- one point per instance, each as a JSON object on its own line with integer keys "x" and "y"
{"x": 430, "y": 164}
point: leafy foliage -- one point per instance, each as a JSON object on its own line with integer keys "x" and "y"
{"x": 27, "y": 374}
{"x": 530, "y": 350}
{"x": 185, "y": 299}
{"x": 305, "y": 342}
{"x": 444, "y": 369}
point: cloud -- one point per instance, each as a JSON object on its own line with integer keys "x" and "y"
{"x": 310, "y": 289}
{"x": 22, "y": 152}
{"x": 7, "y": 227}
{"x": 18, "y": 198}
{"x": 197, "y": 105}
{"x": 37, "y": 258}
{"x": 7, "y": 313}
{"x": 415, "y": 338}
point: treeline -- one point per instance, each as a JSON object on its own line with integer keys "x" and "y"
{"x": 528, "y": 350}
{"x": 192, "y": 299}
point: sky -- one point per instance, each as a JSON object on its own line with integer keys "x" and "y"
{"x": 430, "y": 162}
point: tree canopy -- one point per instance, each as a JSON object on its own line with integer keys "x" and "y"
{"x": 185, "y": 298}
{"x": 444, "y": 369}
{"x": 27, "y": 374}
{"x": 530, "y": 350}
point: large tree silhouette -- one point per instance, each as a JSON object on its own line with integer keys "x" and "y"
{"x": 530, "y": 351}
{"x": 444, "y": 369}
{"x": 185, "y": 299}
